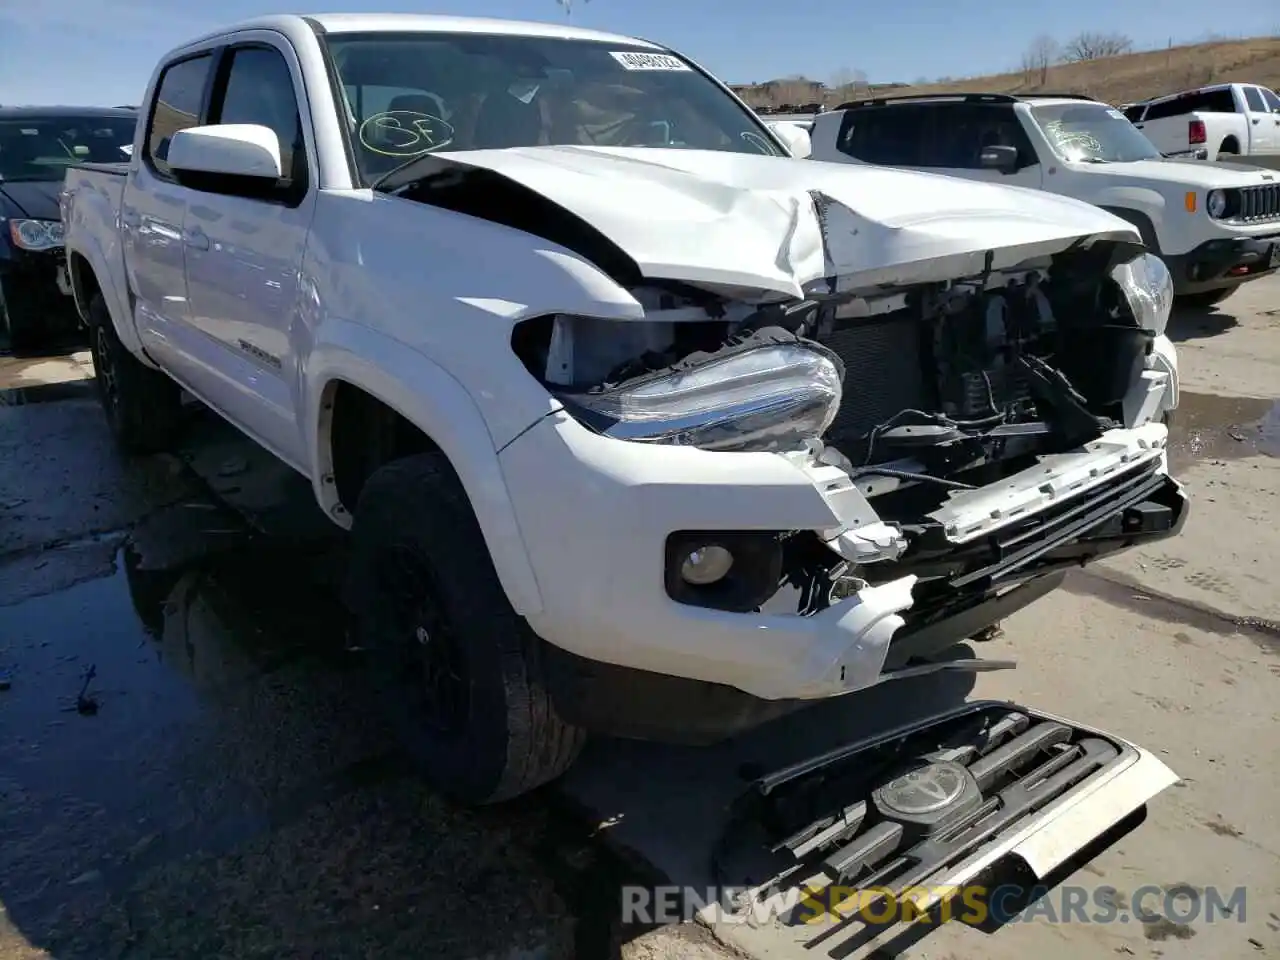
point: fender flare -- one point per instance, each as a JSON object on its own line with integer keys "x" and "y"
{"x": 427, "y": 396}
{"x": 118, "y": 301}
{"x": 1142, "y": 208}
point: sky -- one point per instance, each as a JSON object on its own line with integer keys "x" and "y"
{"x": 101, "y": 52}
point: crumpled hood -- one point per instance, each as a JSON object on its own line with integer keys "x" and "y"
{"x": 783, "y": 224}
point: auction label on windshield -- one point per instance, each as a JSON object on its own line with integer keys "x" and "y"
{"x": 648, "y": 61}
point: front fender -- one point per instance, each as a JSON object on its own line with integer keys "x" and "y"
{"x": 1143, "y": 207}
{"x": 427, "y": 396}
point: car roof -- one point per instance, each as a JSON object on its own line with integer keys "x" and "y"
{"x": 35, "y": 112}
{"x": 970, "y": 97}
{"x": 339, "y": 23}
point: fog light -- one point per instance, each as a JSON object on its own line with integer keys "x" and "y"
{"x": 706, "y": 565}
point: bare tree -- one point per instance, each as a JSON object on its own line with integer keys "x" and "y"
{"x": 1095, "y": 46}
{"x": 1042, "y": 54}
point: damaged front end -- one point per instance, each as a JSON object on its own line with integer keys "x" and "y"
{"x": 976, "y": 436}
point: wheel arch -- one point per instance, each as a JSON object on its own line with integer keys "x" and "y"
{"x": 1139, "y": 212}
{"x": 398, "y": 388}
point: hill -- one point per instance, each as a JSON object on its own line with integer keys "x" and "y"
{"x": 1120, "y": 79}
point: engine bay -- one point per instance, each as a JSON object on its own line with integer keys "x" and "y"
{"x": 941, "y": 382}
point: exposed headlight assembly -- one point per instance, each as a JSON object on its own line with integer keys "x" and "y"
{"x": 1215, "y": 204}
{"x": 766, "y": 393}
{"x": 1148, "y": 287}
{"x": 35, "y": 234}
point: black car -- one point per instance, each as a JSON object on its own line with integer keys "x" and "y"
{"x": 37, "y": 144}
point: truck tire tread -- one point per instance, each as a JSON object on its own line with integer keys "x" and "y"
{"x": 419, "y": 502}
{"x": 145, "y": 409}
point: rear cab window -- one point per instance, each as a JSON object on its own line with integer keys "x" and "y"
{"x": 178, "y": 101}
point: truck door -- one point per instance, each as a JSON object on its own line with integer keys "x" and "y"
{"x": 245, "y": 250}
{"x": 153, "y": 207}
{"x": 1264, "y": 125}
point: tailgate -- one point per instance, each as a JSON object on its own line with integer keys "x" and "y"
{"x": 844, "y": 851}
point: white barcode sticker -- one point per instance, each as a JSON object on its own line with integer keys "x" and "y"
{"x": 1115, "y": 114}
{"x": 649, "y": 61}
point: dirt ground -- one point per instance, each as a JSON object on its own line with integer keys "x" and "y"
{"x": 190, "y": 765}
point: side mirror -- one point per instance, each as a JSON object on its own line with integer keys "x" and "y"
{"x": 999, "y": 157}
{"x": 794, "y": 137}
{"x": 229, "y": 150}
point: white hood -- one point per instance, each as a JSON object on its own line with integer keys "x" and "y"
{"x": 1196, "y": 174}
{"x": 783, "y": 224}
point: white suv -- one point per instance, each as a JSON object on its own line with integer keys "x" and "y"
{"x": 1216, "y": 226}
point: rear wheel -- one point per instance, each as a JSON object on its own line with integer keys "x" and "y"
{"x": 1205, "y": 298}
{"x": 458, "y": 671}
{"x": 143, "y": 406}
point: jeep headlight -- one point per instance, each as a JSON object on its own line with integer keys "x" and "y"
{"x": 1148, "y": 287}
{"x": 1215, "y": 204}
{"x": 770, "y": 396}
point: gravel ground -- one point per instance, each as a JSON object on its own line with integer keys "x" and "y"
{"x": 219, "y": 785}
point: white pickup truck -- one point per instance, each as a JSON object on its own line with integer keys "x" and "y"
{"x": 1215, "y": 226}
{"x": 1213, "y": 122}
{"x": 640, "y": 424}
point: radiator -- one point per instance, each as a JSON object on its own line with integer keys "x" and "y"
{"x": 882, "y": 373}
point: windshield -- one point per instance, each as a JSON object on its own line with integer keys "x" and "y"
{"x": 42, "y": 147}
{"x": 412, "y": 94}
{"x": 1093, "y": 132}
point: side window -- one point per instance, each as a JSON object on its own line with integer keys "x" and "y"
{"x": 1273, "y": 101}
{"x": 1253, "y": 97}
{"x": 1134, "y": 114}
{"x": 259, "y": 90}
{"x": 177, "y": 106}
{"x": 962, "y": 131}
{"x": 889, "y": 136}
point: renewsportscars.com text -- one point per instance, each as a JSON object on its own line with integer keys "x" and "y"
{"x": 973, "y": 904}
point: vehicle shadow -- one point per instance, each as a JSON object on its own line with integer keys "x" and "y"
{"x": 1200, "y": 323}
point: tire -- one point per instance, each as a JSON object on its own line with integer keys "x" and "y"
{"x": 426, "y": 601}
{"x": 17, "y": 322}
{"x": 1205, "y": 298}
{"x": 1229, "y": 150}
{"x": 142, "y": 405}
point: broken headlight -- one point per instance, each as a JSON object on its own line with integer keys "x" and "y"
{"x": 773, "y": 396}
{"x": 1148, "y": 287}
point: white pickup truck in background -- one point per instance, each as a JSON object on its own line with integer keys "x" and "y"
{"x": 1222, "y": 120}
{"x": 1215, "y": 225}
{"x": 561, "y": 331}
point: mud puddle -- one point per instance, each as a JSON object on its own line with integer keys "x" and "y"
{"x": 191, "y": 764}
{"x": 1208, "y": 427}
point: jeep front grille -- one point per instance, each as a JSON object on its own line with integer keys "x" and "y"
{"x": 1257, "y": 204}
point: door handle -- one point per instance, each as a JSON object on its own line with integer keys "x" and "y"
{"x": 197, "y": 239}
{"x": 1256, "y": 121}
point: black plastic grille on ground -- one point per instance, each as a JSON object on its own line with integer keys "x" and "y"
{"x": 896, "y": 814}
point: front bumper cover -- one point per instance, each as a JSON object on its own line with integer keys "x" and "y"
{"x": 1224, "y": 262}
{"x": 32, "y": 297}
{"x": 597, "y": 498}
